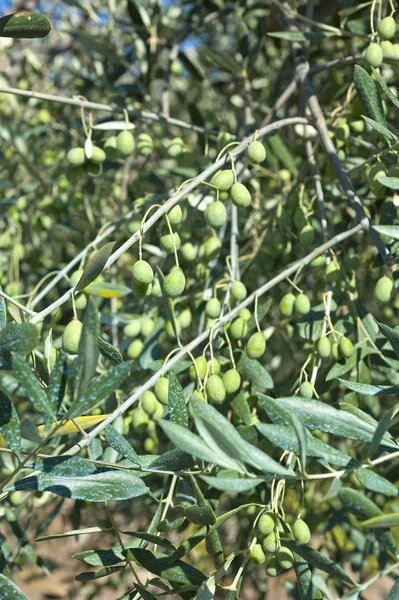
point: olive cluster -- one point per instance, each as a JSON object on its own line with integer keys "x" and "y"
{"x": 375, "y": 52}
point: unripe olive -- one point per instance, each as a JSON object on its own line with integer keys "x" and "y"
{"x": 224, "y": 138}
{"x": 301, "y": 532}
{"x": 357, "y": 126}
{"x": 284, "y": 175}
{"x": 335, "y": 351}
{"x": 333, "y": 271}
{"x": 175, "y": 215}
{"x": 306, "y": 236}
{"x": 215, "y": 389}
{"x": 145, "y": 145}
{"x": 140, "y": 420}
{"x": 161, "y": 390}
{"x": 256, "y": 345}
{"x": 238, "y": 329}
{"x": 286, "y": 305}
{"x": 81, "y": 302}
{"x": 383, "y": 290}
{"x": 266, "y": 523}
{"x": 149, "y": 444}
{"x": 174, "y": 283}
{"x": 270, "y": 543}
{"x": 167, "y": 242}
{"x": 273, "y": 569}
{"x": 135, "y": 348}
{"x": 140, "y": 290}
{"x": 245, "y": 313}
{"x": 188, "y": 252}
{"x": 373, "y": 55}
{"x": 147, "y": 327}
{"x": 197, "y": 395}
{"x": 240, "y": 195}
{"x": 213, "y": 308}
{"x": 257, "y": 555}
{"x": 345, "y": 347}
{"x": 256, "y": 152}
{"x": 212, "y": 247}
{"x": 76, "y": 157}
{"x": 185, "y": 318}
{"x": 301, "y": 305}
{"x": 300, "y": 217}
{"x": 285, "y": 557}
{"x": 110, "y": 147}
{"x": 373, "y": 175}
{"x": 214, "y": 366}
{"x": 98, "y": 156}
{"x": 175, "y": 147}
{"x": 231, "y": 380}
{"x": 125, "y": 142}
{"x": 387, "y": 48}
{"x": 306, "y": 390}
{"x": 149, "y": 402}
{"x": 238, "y": 291}
{"x": 142, "y": 272}
{"x": 170, "y": 332}
{"x": 202, "y": 367}
{"x": 324, "y": 347}
{"x": 215, "y": 214}
{"x": 223, "y": 180}
{"x": 342, "y": 130}
{"x": 71, "y": 336}
{"x": 387, "y": 28}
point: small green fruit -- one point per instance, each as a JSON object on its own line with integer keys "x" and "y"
{"x": 335, "y": 351}
{"x": 257, "y": 555}
{"x": 110, "y": 147}
{"x": 215, "y": 389}
{"x": 76, "y": 157}
{"x": 149, "y": 402}
{"x": 306, "y": 236}
{"x": 238, "y": 329}
{"x": 383, "y": 290}
{"x": 176, "y": 147}
{"x": 147, "y": 327}
{"x": 140, "y": 290}
{"x": 188, "y": 252}
{"x": 273, "y": 569}
{"x": 142, "y": 272}
{"x": 387, "y": 28}
{"x": 174, "y": 283}
{"x": 285, "y": 557}
{"x": 215, "y": 214}
{"x": 161, "y": 390}
{"x": 71, "y": 336}
{"x": 286, "y": 305}
{"x": 125, "y": 143}
{"x": 301, "y": 305}
{"x": 256, "y": 152}
{"x": 223, "y": 180}
{"x": 270, "y": 543}
{"x": 135, "y": 348}
{"x": 231, "y": 380}
{"x": 202, "y": 367}
{"x": 346, "y": 347}
{"x": 387, "y": 48}
{"x": 175, "y": 215}
{"x": 212, "y": 247}
{"x": 213, "y": 308}
{"x": 373, "y": 55}
{"x": 168, "y": 240}
{"x": 342, "y": 130}
{"x": 256, "y": 345}
{"x": 145, "y": 145}
{"x": 245, "y": 313}
{"x": 324, "y": 347}
{"x": 333, "y": 272}
{"x": 238, "y": 291}
{"x": 149, "y": 445}
{"x": 306, "y": 390}
{"x": 301, "y": 532}
{"x": 140, "y": 420}
{"x": 185, "y": 318}
{"x": 266, "y": 523}
{"x": 98, "y": 155}
{"x": 240, "y": 195}
{"x": 170, "y": 332}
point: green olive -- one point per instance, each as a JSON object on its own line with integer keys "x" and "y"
{"x": 71, "y": 336}
{"x": 215, "y": 390}
{"x": 256, "y": 152}
{"x": 256, "y": 345}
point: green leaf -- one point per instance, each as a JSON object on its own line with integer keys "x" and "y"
{"x": 25, "y": 25}
{"x": 232, "y": 484}
{"x": 394, "y": 593}
{"x": 374, "y": 482}
{"x": 200, "y": 515}
{"x": 301, "y": 435}
{"x": 143, "y": 593}
{"x": 381, "y": 82}
{"x": 176, "y": 403}
{"x": 9, "y": 590}
{"x": 99, "y": 487}
{"x": 95, "y": 266}
{"x": 241, "y": 407}
{"x": 3, "y": 311}
{"x": 306, "y": 588}
{"x": 281, "y": 150}
{"x": 215, "y": 426}
{"x": 381, "y": 429}
{"x": 10, "y": 427}
{"x": 56, "y": 389}
{"x": 382, "y": 521}
{"x": 369, "y": 390}
{"x": 103, "y": 572}
{"x": 284, "y": 437}
{"x": 302, "y": 36}
{"x": 114, "y": 126}
{"x": 101, "y": 387}
{"x": 391, "y": 230}
{"x": 393, "y": 184}
{"x": 391, "y": 335}
{"x": 367, "y": 90}
{"x": 107, "y": 290}
{"x": 318, "y": 560}
{"x": 333, "y": 490}
{"x": 120, "y": 444}
{"x": 27, "y": 379}
{"x": 263, "y": 309}
{"x": 19, "y": 337}
{"x": 85, "y": 364}
{"x": 109, "y": 352}
{"x": 179, "y": 367}
{"x": 387, "y": 134}
{"x": 152, "y": 539}
{"x": 256, "y": 373}
{"x": 65, "y": 466}
{"x": 318, "y": 415}
{"x": 106, "y": 558}
{"x": 179, "y": 573}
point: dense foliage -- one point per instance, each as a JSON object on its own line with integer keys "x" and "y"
{"x": 198, "y": 307}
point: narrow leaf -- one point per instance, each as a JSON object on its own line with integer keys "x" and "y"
{"x": 382, "y": 522}
{"x": 301, "y": 435}
{"x": 176, "y": 403}
{"x": 25, "y": 25}
{"x": 120, "y": 444}
{"x": 318, "y": 560}
{"x": 27, "y": 379}
{"x": 391, "y": 335}
{"x": 19, "y": 337}
{"x": 256, "y": 373}
{"x": 367, "y": 90}
{"x": 9, "y": 590}
{"x": 369, "y": 390}
{"x": 110, "y": 352}
{"x": 10, "y": 427}
{"x": 95, "y": 266}
{"x": 374, "y": 482}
